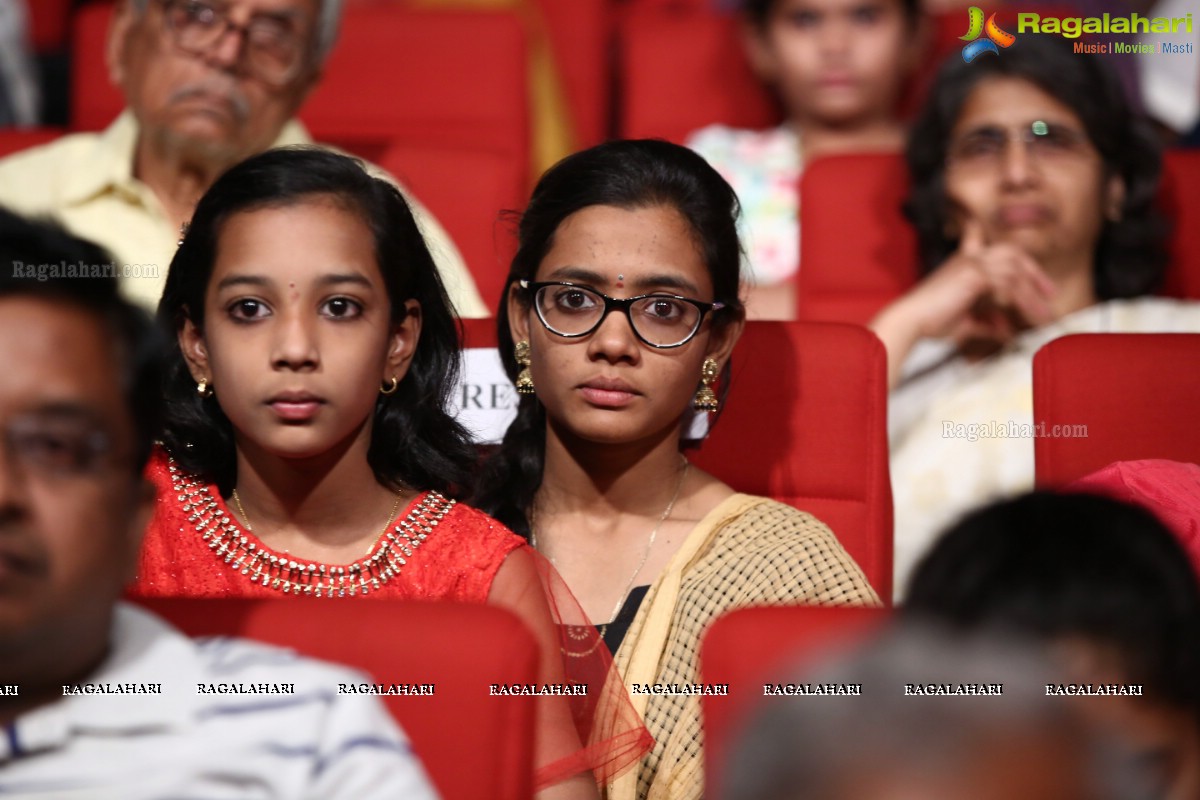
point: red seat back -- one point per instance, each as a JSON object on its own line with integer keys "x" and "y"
{"x": 48, "y": 24}
{"x": 805, "y": 422}
{"x": 581, "y": 39}
{"x": 857, "y": 251}
{"x": 461, "y": 649}
{"x": 14, "y": 140}
{"x": 95, "y": 101}
{"x": 433, "y": 78}
{"x": 1181, "y": 200}
{"x": 467, "y": 190}
{"x": 752, "y": 646}
{"x": 1135, "y": 393}
{"x": 682, "y": 69}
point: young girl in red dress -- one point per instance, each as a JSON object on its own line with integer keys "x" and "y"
{"x": 307, "y": 450}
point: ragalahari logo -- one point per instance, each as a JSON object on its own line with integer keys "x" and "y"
{"x": 996, "y": 36}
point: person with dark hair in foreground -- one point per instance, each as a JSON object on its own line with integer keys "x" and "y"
{"x": 100, "y": 699}
{"x": 1033, "y": 197}
{"x": 1107, "y": 589}
{"x": 313, "y": 353}
{"x": 890, "y": 745}
{"x": 621, "y": 312}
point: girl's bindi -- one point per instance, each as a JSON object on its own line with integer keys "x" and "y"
{"x": 620, "y": 281}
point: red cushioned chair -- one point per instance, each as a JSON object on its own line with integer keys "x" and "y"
{"x": 14, "y": 140}
{"x": 581, "y": 37}
{"x": 435, "y": 78}
{"x": 682, "y": 69}
{"x": 461, "y": 649}
{"x": 425, "y": 77}
{"x": 1181, "y": 201}
{"x": 95, "y": 101}
{"x": 1137, "y": 393}
{"x": 752, "y": 646}
{"x": 48, "y": 21}
{"x": 857, "y": 251}
{"x": 466, "y": 189}
{"x": 804, "y": 422}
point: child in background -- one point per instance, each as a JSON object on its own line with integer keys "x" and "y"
{"x": 838, "y": 68}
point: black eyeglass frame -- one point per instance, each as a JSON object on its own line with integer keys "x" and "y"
{"x": 624, "y": 304}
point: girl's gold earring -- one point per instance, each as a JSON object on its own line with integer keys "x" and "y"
{"x": 203, "y": 388}
{"x": 521, "y": 353}
{"x": 706, "y": 398}
{"x": 390, "y": 387}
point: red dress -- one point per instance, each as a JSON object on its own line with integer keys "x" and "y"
{"x": 436, "y": 549}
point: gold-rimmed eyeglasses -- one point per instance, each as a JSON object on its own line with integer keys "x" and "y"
{"x": 273, "y": 45}
{"x": 1045, "y": 142}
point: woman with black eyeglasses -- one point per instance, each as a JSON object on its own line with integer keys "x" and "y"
{"x": 621, "y": 312}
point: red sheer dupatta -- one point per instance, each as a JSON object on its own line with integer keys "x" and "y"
{"x": 598, "y": 731}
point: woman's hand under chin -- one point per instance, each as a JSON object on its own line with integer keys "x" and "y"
{"x": 980, "y": 297}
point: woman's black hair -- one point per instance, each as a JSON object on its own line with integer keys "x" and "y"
{"x": 629, "y": 174}
{"x": 1131, "y": 256}
{"x": 758, "y": 12}
{"x": 1061, "y": 566}
{"x": 414, "y": 441}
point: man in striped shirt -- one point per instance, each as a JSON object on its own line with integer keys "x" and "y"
{"x": 99, "y": 699}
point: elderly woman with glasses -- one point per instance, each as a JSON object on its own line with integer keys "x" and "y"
{"x": 1033, "y": 197}
{"x": 591, "y": 471}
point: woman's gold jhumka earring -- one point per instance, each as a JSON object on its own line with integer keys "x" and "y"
{"x": 390, "y": 387}
{"x": 706, "y": 398}
{"x": 203, "y": 388}
{"x": 524, "y": 379}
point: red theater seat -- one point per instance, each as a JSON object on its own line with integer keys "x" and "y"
{"x": 95, "y": 101}
{"x": 14, "y": 140}
{"x": 48, "y": 24}
{"x": 461, "y": 649}
{"x": 1136, "y": 393}
{"x": 805, "y": 422}
{"x": 683, "y": 68}
{"x": 1180, "y": 197}
{"x": 857, "y": 251}
{"x": 581, "y": 38}
{"x": 466, "y": 190}
{"x": 435, "y": 78}
{"x": 752, "y": 646}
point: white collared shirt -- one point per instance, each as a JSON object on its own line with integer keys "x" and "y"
{"x": 166, "y": 717}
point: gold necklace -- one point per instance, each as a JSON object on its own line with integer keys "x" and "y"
{"x": 308, "y": 579}
{"x": 237, "y": 501}
{"x": 645, "y": 553}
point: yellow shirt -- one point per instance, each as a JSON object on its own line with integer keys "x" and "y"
{"x": 85, "y": 182}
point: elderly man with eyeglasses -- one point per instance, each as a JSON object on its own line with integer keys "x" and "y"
{"x": 208, "y": 83}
